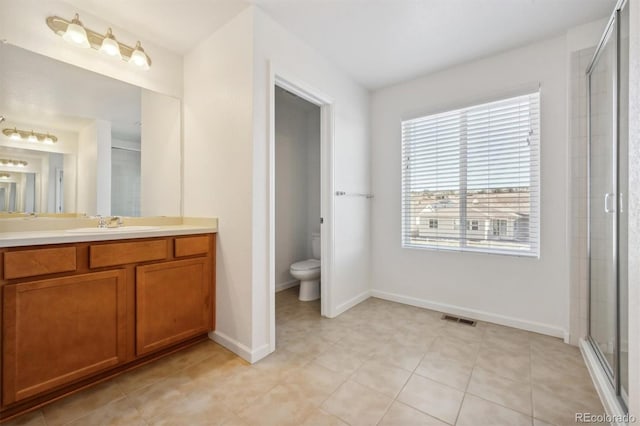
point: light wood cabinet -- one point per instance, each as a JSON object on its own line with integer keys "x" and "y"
{"x": 59, "y": 330}
{"x": 75, "y": 314}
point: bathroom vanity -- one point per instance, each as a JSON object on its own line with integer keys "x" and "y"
{"x": 80, "y": 307}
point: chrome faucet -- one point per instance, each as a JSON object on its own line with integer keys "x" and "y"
{"x": 109, "y": 222}
{"x": 115, "y": 222}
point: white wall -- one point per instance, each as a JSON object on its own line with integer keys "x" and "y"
{"x": 217, "y": 165}
{"x": 297, "y": 179}
{"x": 161, "y": 166}
{"x": 22, "y": 23}
{"x": 290, "y": 57}
{"x": 94, "y": 177}
{"x": 524, "y": 292}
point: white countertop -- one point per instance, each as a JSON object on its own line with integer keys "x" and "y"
{"x": 60, "y": 236}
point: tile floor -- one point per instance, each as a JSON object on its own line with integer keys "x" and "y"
{"x": 381, "y": 363}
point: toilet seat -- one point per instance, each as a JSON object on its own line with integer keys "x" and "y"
{"x": 306, "y": 265}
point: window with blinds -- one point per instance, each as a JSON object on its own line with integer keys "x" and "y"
{"x": 471, "y": 178}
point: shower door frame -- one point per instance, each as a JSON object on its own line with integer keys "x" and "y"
{"x": 611, "y": 33}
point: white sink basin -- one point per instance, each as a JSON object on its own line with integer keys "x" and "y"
{"x": 112, "y": 230}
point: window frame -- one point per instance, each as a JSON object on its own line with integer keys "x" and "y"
{"x": 535, "y": 196}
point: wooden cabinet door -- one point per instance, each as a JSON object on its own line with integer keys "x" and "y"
{"x": 173, "y": 302}
{"x": 60, "y": 330}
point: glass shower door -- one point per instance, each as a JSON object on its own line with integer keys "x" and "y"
{"x": 602, "y": 202}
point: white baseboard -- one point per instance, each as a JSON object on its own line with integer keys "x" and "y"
{"x": 240, "y": 349}
{"x": 343, "y": 307}
{"x": 287, "y": 284}
{"x": 536, "y": 327}
{"x": 601, "y": 382}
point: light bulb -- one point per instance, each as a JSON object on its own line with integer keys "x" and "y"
{"x": 76, "y": 33}
{"x": 48, "y": 139}
{"x": 139, "y": 58}
{"x": 15, "y": 135}
{"x": 32, "y": 137}
{"x": 110, "y": 46}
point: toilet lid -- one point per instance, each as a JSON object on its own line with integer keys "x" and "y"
{"x": 306, "y": 265}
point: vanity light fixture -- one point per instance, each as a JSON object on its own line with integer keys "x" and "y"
{"x": 13, "y": 163}
{"x": 77, "y": 34}
{"x": 5, "y": 175}
{"x": 110, "y": 45}
{"x": 31, "y": 136}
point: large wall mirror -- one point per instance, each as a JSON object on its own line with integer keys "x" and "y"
{"x": 74, "y": 141}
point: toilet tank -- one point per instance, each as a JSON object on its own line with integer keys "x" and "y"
{"x": 315, "y": 245}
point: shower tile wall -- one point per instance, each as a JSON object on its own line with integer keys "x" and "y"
{"x": 579, "y": 293}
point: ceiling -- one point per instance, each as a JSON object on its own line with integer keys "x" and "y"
{"x": 377, "y": 42}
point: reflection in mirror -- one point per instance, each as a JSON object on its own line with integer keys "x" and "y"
{"x": 116, "y": 148}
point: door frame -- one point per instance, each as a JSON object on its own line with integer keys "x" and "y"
{"x": 285, "y": 80}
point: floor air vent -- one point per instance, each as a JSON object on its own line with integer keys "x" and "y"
{"x": 464, "y": 321}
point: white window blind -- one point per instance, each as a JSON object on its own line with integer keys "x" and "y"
{"x": 478, "y": 166}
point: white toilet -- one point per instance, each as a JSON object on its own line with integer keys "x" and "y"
{"x": 308, "y": 272}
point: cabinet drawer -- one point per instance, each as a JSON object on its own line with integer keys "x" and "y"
{"x": 190, "y": 246}
{"x": 112, "y": 254}
{"x": 30, "y": 263}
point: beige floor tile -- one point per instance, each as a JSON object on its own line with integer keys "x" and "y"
{"x": 510, "y": 393}
{"x": 382, "y": 377}
{"x": 400, "y": 414}
{"x": 341, "y": 360}
{"x": 322, "y": 418}
{"x": 78, "y": 405}
{"x": 476, "y": 411}
{"x": 405, "y": 357}
{"x": 309, "y": 346}
{"x": 537, "y": 422}
{"x": 559, "y": 410}
{"x": 34, "y": 418}
{"x": 118, "y": 413}
{"x": 512, "y": 365}
{"x": 194, "y": 354}
{"x": 464, "y": 332}
{"x": 361, "y": 343}
{"x": 144, "y": 376}
{"x": 283, "y": 405}
{"x": 445, "y": 370}
{"x": 154, "y": 398}
{"x": 216, "y": 368}
{"x": 196, "y": 409}
{"x": 282, "y": 363}
{"x": 357, "y": 404}
{"x": 316, "y": 381}
{"x": 456, "y": 349}
{"x": 515, "y": 344}
{"x": 238, "y": 391}
{"x": 435, "y": 399}
{"x": 420, "y": 341}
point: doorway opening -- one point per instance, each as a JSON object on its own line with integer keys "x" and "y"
{"x": 300, "y": 203}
